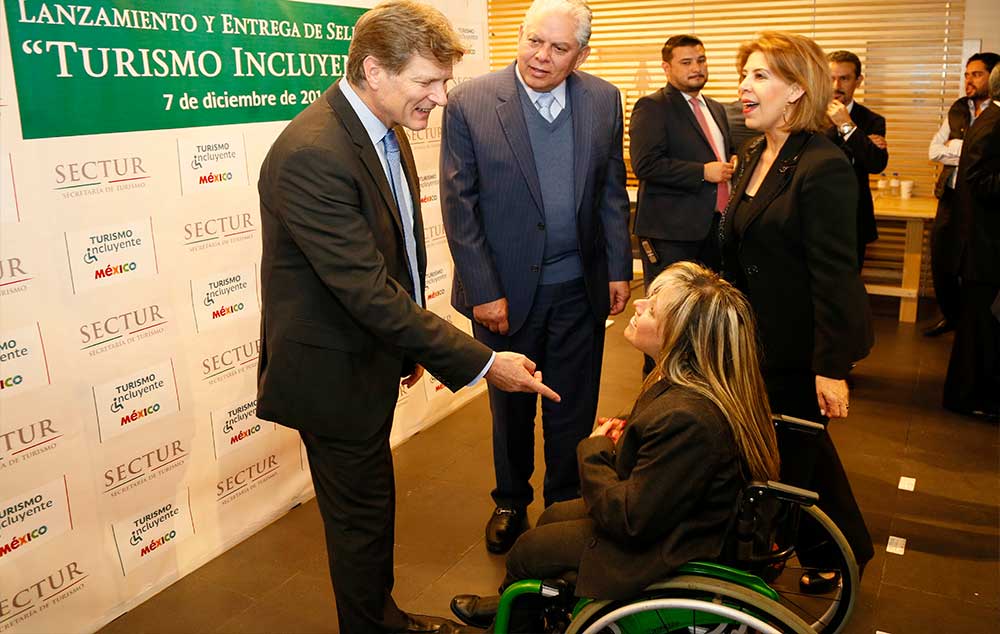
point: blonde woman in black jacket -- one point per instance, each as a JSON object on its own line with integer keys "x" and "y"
{"x": 789, "y": 241}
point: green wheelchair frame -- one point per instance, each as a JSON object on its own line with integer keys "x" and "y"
{"x": 758, "y": 593}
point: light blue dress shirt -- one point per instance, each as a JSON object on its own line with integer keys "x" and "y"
{"x": 376, "y": 130}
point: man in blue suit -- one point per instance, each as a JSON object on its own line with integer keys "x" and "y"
{"x": 536, "y": 212}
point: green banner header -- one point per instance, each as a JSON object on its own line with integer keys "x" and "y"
{"x": 96, "y": 67}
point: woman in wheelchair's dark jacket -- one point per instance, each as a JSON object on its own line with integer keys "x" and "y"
{"x": 666, "y": 492}
{"x": 664, "y": 495}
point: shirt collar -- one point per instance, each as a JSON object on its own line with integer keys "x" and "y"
{"x": 558, "y": 93}
{"x": 689, "y": 98}
{"x": 375, "y": 128}
{"x": 850, "y": 106}
{"x": 975, "y": 111}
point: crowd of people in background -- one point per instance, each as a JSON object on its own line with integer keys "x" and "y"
{"x": 752, "y": 220}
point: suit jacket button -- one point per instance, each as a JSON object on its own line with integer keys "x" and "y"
{"x": 541, "y": 226}
{"x": 535, "y": 268}
{"x": 752, "y": 270}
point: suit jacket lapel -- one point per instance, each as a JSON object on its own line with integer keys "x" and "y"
{"x": 409, "y": 167}
{"x": 778, "y": 176}
{"x": 719, "y": 114}
{"x": 745, "y": 169}
{"x": 516, "y": 130}
{"x": 651, "y": 394}
{"x": 680, "y": 104}
{"x": 582, "y": 131}
{"x": 366, "y": 151}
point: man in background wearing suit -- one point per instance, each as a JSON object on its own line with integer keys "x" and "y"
{"x": 946, "y": 149}
{"x": 972, "y": 385}
{"x": 535, "y": 209}
{"x": 860, "y": 133}
{"x": 342, "y": 276}
{"x": 680, "y": 149}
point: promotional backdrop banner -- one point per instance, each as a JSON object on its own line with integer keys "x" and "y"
{"x": 132, "y": 134}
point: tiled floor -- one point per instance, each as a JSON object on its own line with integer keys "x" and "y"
{"x": 947, "y": 580}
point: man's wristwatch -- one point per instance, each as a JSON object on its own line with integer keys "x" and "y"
{"x": 846, "y": 128}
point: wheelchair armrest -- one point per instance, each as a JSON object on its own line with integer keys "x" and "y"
{"x": 788, "y": 493}
{"x": 797, "y": 424}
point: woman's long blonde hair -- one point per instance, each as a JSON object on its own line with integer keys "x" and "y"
{"x": 709, "y": 345}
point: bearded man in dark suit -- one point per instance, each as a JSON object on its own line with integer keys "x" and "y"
{"x": 342, "y": 278}
{"x": 860, "y": 133}
{"x": 972, "y": 385}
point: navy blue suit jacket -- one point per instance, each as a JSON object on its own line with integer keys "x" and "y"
{"x": 491, "y": 199}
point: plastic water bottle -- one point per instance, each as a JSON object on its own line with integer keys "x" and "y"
{"x": 882, "y": 185}
{"x": 894, "y": 185}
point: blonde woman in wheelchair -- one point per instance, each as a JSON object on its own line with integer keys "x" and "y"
{"x": 663, "y": 488}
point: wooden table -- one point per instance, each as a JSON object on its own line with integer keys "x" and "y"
{"x": 915, "y": 212}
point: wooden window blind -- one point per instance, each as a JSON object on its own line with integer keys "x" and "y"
{"x": 911, "y": 51}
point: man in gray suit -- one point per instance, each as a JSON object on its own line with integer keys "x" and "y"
{"x": 536, "y": 212}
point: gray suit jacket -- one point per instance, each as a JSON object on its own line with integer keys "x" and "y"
{"x": 492, "y": 203}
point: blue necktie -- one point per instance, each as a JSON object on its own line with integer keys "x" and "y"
{"x": 391, "y": 147}
{"x": 544, "y": 105}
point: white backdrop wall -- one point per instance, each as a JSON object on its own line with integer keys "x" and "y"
{"x": 129, "y": 292}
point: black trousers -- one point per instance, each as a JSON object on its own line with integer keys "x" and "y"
{"x": 973, "y": 379}
{"x": 817, "y": 468}
{"x": 946, "y": 253}
{"x": 356, "y": 492}
{"x": 566, "y": 342}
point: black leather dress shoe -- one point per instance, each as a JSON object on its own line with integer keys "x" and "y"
{"x": 450, "y": 628}
{"x": 990, "y": 414}
{"x": 473, "y": 609}
{"x": 939, "y": 328}
{"x": 503, "y": 528}
{"x": 819, "y": 581}
{"x": 423, "y": 624}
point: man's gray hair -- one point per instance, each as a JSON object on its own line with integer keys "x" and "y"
{"x": 995, "y": 83}
{"x": 576, "y": 9}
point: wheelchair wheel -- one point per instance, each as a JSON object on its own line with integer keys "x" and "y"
{"x": 827, "y": 613}
{"x": 689, "y": 604}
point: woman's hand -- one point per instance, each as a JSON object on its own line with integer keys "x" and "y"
{"x": 610, "y": 427}
{"x": 833, "y": 396}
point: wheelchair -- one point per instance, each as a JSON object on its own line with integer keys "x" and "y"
{"x": 753, "y": 588}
